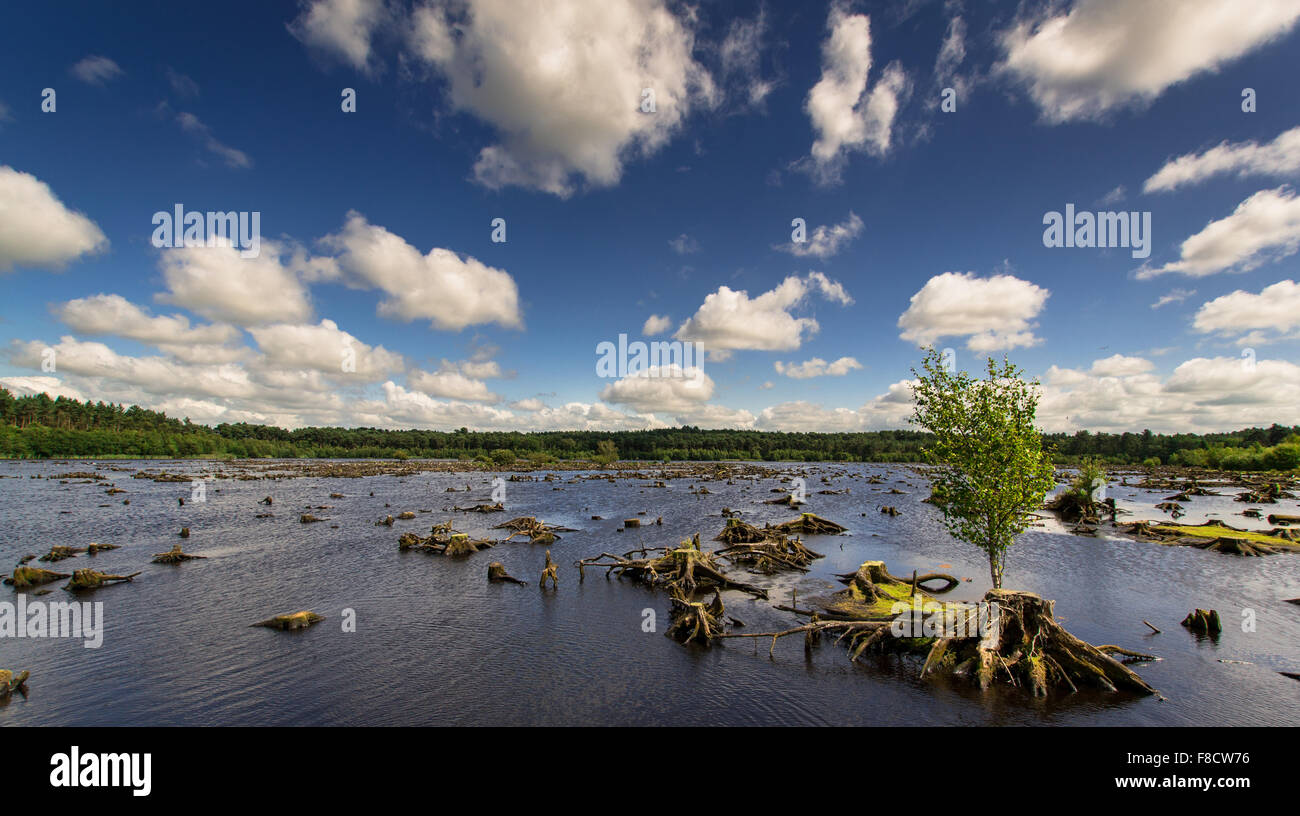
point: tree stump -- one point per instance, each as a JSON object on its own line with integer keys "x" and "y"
{"x": 550, "y": 572}
{"x": 293, "y": 620}
{"x": 1204, "y": 621}
{"x": 25, "y": 577}
{"x": 497, "y": 574}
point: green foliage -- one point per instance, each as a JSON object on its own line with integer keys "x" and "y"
{"x": 606, "y": 452}
{"x": 40, "y": 427}
{"x": 993, "y": 472}
{"x": 503, "y": 456}
{"x": 1088, "y": 483}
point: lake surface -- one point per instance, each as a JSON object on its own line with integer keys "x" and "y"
{"x": 435, "y": 643}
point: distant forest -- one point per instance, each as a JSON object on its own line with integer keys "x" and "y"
{"x": 40, "y": 427}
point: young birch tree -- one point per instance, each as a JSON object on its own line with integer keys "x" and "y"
{"x": 992, "y": 470}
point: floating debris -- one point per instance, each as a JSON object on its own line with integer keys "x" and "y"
{"x": 482, "y": 508}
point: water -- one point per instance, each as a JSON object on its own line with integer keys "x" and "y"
{"x": 436, "y": 644}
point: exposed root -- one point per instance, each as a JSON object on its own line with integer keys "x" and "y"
{"x": 740, "y": 532}
{"x": 693, "y": 621}
{"x": 810, "y": 524}
{"x": 537, "y": 532}
{"x": 771, "y": 555}
{"x": 1012, "y": 637}
{"x": 686, "y": 567}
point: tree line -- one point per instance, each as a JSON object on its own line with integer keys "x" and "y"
{"x": 40, "y": 427}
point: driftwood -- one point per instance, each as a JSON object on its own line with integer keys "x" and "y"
{"x": 482, "y": 508}
{"x": 174, "y": 556}
{"x": 88, "y": 579}
{"x": 293, "y": 620}
{"x": 25, "y": 577}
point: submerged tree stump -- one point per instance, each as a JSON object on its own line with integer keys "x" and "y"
{"x": 10, "y": 682}
{"x": 771, "y": 555}
{"x": 1014, "y": 638}
{"x": 1204, "y": 621}
{"x": 537, "y": 531}
{"x": 740, "y": 532}
{"x": 60, "y": 551}
{"x": 88, "y": 579}
{"x": 686, "y": 566}
{"x": 293, "y": 620}
{"x": 694, "y": 622}
{"x": 811, "y": 524}
{"x": 551, "y": 572}
{"x": 25, "y": 577}
{"x": 497, "y": 574}
{"x": 174, "y": 556}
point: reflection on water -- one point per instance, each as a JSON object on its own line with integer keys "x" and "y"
{"x": 437, "y": 644}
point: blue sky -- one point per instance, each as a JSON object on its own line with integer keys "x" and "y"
{"x": 764, "y": 113}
